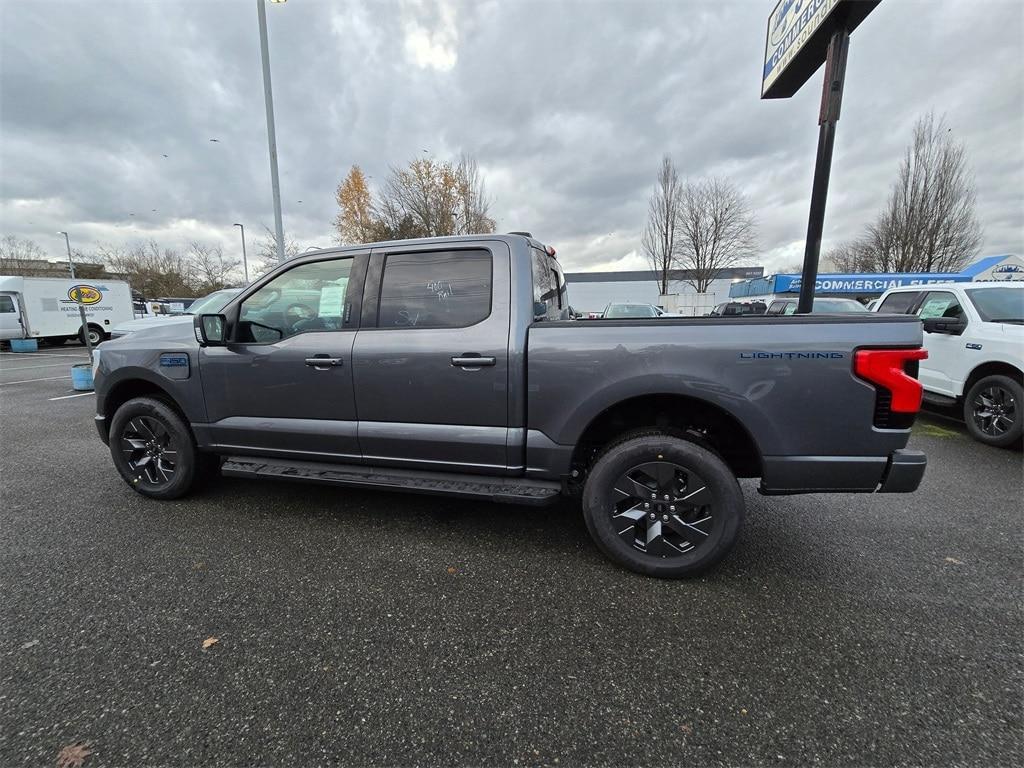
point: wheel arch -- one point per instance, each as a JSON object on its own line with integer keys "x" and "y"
{"x": 128, "y": 388}
{"x": 686, "y": 416}
{"x": 992, "y": 368}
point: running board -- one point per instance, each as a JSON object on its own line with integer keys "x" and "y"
{"x": 933, "y": 398}
{"x": 508, "y": 490}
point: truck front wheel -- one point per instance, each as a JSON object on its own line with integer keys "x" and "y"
{"x": 994, "y": 411}
{"x": 152, "y": 448}
{"x": 662, "y": 506}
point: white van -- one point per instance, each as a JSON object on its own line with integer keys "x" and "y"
{"x": 974, "y": 334}
{"x": 46, "y": 308}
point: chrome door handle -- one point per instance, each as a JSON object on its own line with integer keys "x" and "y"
{"x": 472, "y": 362}
{"x": 324, "y": 362}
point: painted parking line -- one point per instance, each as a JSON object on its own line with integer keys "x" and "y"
{"x": 26, "y": 367}
{"x": 68, "y": 397}
{"x": 30, "y": 381}
{"x": 27, "y": 355}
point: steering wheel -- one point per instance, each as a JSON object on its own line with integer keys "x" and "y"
{"x": 296, "y": 313}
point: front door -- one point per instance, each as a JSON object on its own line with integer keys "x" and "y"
{"x": 943, "y": 371}
{"x": 431, "y": 358}
{"x": 282, "y": 386}
{"x": 10, "y": 317}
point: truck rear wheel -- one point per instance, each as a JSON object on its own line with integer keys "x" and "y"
{"x": 152, "y": 448}
{"x": 662, "y": 506}
{"x": 96, "y": 335}
{"x": 994, "y": 411}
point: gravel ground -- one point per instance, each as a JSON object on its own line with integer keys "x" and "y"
{"x": 366, "y": 628}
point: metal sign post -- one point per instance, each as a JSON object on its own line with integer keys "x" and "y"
{"x": 831, "y": 102}
{"x": 801, "y": 35}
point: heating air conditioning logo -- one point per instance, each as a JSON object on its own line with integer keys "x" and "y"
{"x": 85, "y": 294}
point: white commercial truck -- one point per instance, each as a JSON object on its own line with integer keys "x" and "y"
{"x": 46, "y": 308}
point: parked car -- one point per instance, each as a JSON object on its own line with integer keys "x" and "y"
{"x": 438, "y": 366}
{"x": 47, "y": 308}
{"x": 211, "y": 302}
{"x": 738, "y": 309}
{"x": 974, "y": 334}
{"x": 620, "y": 310}
{"x": 824, "y": 304}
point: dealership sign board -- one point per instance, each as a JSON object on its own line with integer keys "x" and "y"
{"x": 797, "y": 40}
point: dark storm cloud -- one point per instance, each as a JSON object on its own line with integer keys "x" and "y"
{"x": 567, "y": 106}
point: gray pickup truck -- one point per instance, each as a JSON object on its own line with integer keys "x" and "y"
{"x": 451, "y": 366}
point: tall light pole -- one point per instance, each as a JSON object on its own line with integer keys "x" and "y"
{"x": 245, "y": 261}
{"x": 81, "y": 308}
{"x": 261, "y": 12}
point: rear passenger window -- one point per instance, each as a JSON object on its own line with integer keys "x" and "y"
{"x": 439, "y": 289}
{"x": 899, "y": 303}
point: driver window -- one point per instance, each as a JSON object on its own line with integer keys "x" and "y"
{"x": 310, "y": 297}
{"x": 940, "y": 304}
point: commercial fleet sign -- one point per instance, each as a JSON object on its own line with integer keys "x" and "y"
{"x": 797, "y": 39}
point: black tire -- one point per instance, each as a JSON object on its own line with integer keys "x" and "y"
{"x": 661, "y": 546}
{"x": 153, "y": 449}
{"x": 994, "y": 411}
{"x": 96, "y": 335}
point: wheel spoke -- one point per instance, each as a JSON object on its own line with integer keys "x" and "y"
{"x": 695, "y": 533}
{"x": 696, "y": 497}
{"x": 655, "y": 541}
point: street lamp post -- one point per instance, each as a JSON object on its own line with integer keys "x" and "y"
{"x": 245, "y": 261}
{"x": 268, "y": 96}
{"x": 81, "y": 308}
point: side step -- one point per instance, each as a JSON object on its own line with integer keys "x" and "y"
{"x": 509, "y": 490}
{"x": 933, "y": 398}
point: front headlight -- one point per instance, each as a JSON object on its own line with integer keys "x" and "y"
{"x": 95, "y": 361}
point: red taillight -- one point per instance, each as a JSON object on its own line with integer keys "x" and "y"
{"x": 886, "y": 368}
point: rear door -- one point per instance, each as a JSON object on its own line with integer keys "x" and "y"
{"x": 431, "y": 358}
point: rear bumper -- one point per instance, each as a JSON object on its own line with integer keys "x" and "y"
{"x": 900, "y": 472}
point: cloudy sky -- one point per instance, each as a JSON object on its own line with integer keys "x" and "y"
{"x": 107, "y": 110}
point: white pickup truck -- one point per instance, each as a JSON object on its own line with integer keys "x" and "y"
{"x": 974, "y": 334}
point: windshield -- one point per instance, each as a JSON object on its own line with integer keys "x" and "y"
{"x": 630, "y": 310}
{"x": 999, "y": 305}
{"x": 213, "y": 302}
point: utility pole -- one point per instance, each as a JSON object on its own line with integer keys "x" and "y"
{"x": 81, "y": 308}
{"x": 245, "y": 260}
{"x": 268, "y": 96}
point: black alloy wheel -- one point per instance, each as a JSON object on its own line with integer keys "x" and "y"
{"x": 665, "y": 509}
{"x": 150, "y": 451}
{"x": 662, "y": 505}
{"x": 153, "y": 448}
{"x": 994, "y": 411}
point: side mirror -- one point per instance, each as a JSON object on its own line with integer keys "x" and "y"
{"x": 952, "y": 326}
{"x": 540, "y": 310}
{"x": 211, "y": 330}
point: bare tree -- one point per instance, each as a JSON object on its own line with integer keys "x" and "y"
{"x": 474, "y": 205}
{"x": 152, "y": 271}
{"x": 266, "y": 251}
{"x": 210, "y": 270}
{"x": 929, "y": 222}
{"x": 716, "y": 229}
{"x": 659, "y": 239}
{"x": 22, "y": 257}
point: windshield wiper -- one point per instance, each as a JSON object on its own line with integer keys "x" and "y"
{"x": 1014, "y": 320}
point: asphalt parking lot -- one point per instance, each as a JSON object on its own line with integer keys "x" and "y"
{"x": 372, "y": 628}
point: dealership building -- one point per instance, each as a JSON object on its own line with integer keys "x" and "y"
{"x": 593, "y": 291}
{"x": 865, "y": 287}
